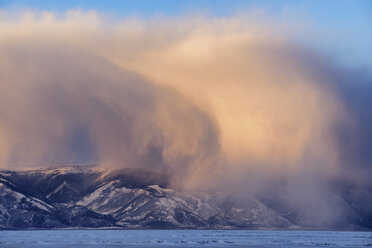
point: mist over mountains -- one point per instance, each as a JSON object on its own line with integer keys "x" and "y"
{"x": 195, "y": 122}
{"x": 84, "y": 197}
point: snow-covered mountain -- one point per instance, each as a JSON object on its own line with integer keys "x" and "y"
{"x": 81, "y": 197}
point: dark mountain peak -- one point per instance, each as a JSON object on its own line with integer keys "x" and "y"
{"x": 132, "y": 177}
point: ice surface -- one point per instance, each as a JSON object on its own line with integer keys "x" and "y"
{"x": 182, "y": 238}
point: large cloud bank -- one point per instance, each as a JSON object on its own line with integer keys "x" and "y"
{"x": 210, "y": 102}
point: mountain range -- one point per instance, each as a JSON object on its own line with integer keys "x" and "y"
{"x": 85, "y": 197}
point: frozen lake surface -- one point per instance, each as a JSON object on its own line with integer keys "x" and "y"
{"x": 182, "y": 238}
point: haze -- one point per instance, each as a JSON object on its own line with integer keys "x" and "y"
{"x": 233, "y": 103}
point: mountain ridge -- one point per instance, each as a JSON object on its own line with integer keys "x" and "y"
{"x": 84, "y": 197}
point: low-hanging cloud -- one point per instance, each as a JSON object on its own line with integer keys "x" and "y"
{"x": 210, "y": 102}
{"x": 129, "y": 122}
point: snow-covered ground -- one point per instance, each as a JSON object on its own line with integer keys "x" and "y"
{"x": 182, "y": 238}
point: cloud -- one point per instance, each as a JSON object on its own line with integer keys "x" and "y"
{"x": 211, "y": 102}
{"x": 54, "y": 94}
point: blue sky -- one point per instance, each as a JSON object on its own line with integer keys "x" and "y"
{"x": 339, "y": 27}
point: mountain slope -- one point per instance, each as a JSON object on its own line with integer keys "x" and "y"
{"x": 81, "y": 197}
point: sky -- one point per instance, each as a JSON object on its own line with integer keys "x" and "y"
{"x": 338, "y": 27}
